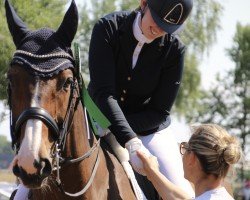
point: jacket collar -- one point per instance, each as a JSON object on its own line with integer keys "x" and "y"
{"x": 137, "y": 30}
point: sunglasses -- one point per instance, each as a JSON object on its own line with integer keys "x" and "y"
{"x": 184, "y": 147}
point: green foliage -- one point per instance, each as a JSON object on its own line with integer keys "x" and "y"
{"x": 200, "y": 31}
{"x": 128, "y": 4}
{"x": 199, "y": 35}
{"x": 212, "y": 105}
{"x": 228, "y": 102}
{"x": 36, "y": 14}
{"x": 247, "y": 174}
{"x": 6, "y": 153}
{"x": 240, "y": 54}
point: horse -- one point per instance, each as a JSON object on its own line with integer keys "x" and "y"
{"x": 57, "y": 157}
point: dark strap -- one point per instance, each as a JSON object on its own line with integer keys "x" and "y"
{"x": 37, "y": 113}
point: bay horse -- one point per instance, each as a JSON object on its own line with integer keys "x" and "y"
{"x": 55, "y": 157}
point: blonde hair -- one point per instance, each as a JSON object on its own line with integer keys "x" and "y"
{"x": 215, "y": 148}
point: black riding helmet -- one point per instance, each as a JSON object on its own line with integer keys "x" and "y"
{"x": 170, "y": 15}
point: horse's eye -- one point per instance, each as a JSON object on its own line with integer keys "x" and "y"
{"x": 67, "y": 83}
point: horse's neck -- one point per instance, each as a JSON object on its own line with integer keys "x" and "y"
{"x": 77, "y": 141}
{"x": 73, "y": 176}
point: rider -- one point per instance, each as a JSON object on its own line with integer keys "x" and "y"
{"x": 136, "y": 61}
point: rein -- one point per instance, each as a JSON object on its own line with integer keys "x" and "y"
{"x": 86, "y": 155}
{"x": 59, "y": 133}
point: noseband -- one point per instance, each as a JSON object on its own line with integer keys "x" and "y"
{"x": 37, "y": 113}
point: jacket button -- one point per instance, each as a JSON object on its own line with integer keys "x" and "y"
{"x": 124, "y": 91}
{"x": 122, "y": 99}
{"x": 129, "y": 78}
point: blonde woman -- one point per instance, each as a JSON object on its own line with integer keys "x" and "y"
{"x": 207, "y": 158}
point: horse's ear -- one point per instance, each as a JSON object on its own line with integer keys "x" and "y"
{"x": 68, "y": 27}
{"x": 17, "y": 27}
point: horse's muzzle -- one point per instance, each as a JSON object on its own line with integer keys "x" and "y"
{"x": 44, "y": 169}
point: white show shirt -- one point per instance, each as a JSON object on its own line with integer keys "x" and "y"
{"x": 139, "y": 37}
{"x": 215, "y": 194}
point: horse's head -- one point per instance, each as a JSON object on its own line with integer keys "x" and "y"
{"x": 41, "y": 89}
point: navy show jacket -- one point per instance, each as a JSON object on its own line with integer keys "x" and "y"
{"x": 139, "y": 100}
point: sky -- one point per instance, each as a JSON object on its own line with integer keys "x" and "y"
{"x": 215, "y": 62}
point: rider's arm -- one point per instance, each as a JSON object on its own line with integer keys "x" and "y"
{"x": 102, "y": 74}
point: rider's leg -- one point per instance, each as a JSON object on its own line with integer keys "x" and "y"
{"x": 164, "y": 146}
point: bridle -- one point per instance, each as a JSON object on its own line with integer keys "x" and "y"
{"x": 59, "y": 132}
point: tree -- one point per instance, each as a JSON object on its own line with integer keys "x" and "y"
{"x": 240, "y": 54}
{"x": 36, "y": 14}
{"x": 6, "y": 153}
{"x": 199, "y": 35}
{"x": 228, "y": 102}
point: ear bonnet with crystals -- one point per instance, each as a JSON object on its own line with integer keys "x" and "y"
{"x": 43, "y": 52}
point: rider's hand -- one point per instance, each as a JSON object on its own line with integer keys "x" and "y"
{"x": 133, "y": 146}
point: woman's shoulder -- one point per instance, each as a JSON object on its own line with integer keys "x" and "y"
{"x": 117, "y": 15}
{"x": 174, "y": 48}
{"x": 115, "y": 23}
{"x": 116, "y": 18}
{"x": 177, "y": 43}
{"x": 216, "y": 194}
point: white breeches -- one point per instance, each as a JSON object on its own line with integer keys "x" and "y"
{"x": 22, "y": 192}
{"x": 163, "y": 145}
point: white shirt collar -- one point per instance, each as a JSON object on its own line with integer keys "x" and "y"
{"x": 137, "y": 30}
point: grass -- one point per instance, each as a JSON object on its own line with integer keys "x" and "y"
{"x": 7, "y": 176}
